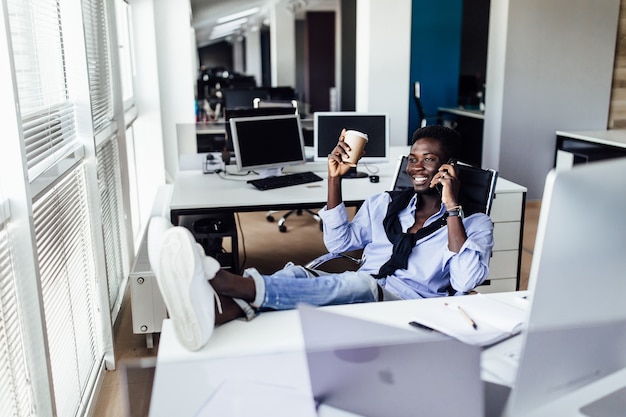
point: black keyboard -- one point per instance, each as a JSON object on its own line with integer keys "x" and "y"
{"x": 286, "y": 180}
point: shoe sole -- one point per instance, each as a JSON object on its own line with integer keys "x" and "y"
{"x": 186, "y": 295}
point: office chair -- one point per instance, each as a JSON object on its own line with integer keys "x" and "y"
{"x": 478, "y": 187}
{"x": 281, "y": 222}
{"x": 424, "y": 119}
{"x": 258, "y": 103}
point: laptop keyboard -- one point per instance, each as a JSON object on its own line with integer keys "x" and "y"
{"x": 286, "y": 180}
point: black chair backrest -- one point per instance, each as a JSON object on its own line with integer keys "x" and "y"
{"x": 477, "y": 185}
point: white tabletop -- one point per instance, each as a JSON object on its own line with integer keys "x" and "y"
{"x": 267, "y": 350}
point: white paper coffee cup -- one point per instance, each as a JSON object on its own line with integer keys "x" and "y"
{"x": 356, "y": 140}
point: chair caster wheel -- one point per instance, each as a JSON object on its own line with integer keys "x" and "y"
{"x": 282, "y": 228}
{"x": 270, "y": 219}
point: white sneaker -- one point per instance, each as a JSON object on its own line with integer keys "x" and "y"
{"x": 184, "y": 284}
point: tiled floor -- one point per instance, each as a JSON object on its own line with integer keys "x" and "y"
{"x": 135, "y": 362}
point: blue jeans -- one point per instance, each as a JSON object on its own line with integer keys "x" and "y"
{"x": 294, "y": 284}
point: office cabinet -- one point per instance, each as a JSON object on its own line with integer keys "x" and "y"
{"x": 507, "y": 214}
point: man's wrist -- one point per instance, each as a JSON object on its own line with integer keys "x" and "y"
{"x": 455, "y": 212}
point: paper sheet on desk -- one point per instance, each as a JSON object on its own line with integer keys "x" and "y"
{"x": 240, "y": 398}
{"x": 495, "y": 320}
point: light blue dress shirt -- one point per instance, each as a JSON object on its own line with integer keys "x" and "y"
{"x": 431, "y": 267}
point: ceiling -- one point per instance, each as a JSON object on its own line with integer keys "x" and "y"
{"x": 205, "y": 14}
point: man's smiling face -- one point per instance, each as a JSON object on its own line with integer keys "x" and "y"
{"x": 424, "y": 160}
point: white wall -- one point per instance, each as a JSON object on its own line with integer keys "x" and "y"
{"x": 147, "y": 137}
{"x": 383, "y": 62}
{"x": 550, "y": 68}
{"x": 175, "y": 58}
{"x": 253, "y": 54}
{"x": 282, "y": 45}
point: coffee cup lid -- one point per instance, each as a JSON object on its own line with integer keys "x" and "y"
{"x": 356, "y": 132}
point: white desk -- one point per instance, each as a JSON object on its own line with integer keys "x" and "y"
{"x": 268, "y": 349}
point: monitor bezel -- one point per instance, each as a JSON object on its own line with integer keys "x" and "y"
{"x": 366, "y": 158}
{"x": 235, "y": 121}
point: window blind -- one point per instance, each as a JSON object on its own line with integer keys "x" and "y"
{"x": 122, "y": 13}
{"x": 110, "y": 185}
{"x": 66, "y": 263}
{"x": 107, "y": 155}
{"x": 47, "y": 113}
{"x": 15, "y": 389}
{"x": 63, "y": 237}
{"x": 98, "y": 62}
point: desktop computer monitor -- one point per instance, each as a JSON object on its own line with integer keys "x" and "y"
{"x": 576, "y": 330}
{"x": 267, "y": 143}
{"x": 230, "y": 113}
{"x": 328, "y": 125}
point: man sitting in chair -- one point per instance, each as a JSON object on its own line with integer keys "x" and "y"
{"x": 416, "y": 244}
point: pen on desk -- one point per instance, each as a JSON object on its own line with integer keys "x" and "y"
{"x": 471, "y": 321}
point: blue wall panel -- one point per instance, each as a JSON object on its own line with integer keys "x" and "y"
{"x": 435, "y": 55}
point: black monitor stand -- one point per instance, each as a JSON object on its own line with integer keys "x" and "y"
{"x": 353, "y": 173}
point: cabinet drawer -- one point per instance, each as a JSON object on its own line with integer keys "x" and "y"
{"x": 507, "y": 207}
{"x": 498, "y": 285}
{"x": 503, "y": 264}
{"x": 506, "y": 236}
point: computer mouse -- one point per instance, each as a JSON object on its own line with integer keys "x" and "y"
{"x": 374, "y": 178}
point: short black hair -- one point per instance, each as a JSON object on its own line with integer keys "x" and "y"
{"x": 449, "y": 139}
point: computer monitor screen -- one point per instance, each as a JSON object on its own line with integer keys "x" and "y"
{"x": 265, "y": 143}
{"x": 328, "y": 125}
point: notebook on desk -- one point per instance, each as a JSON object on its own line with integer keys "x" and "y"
{"x": 576, "y": 324}
{"x": 376, "y": 370}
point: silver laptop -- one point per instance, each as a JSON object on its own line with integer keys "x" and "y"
{"x": 376, "y": 370}
{"x": 576, "y": 328}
